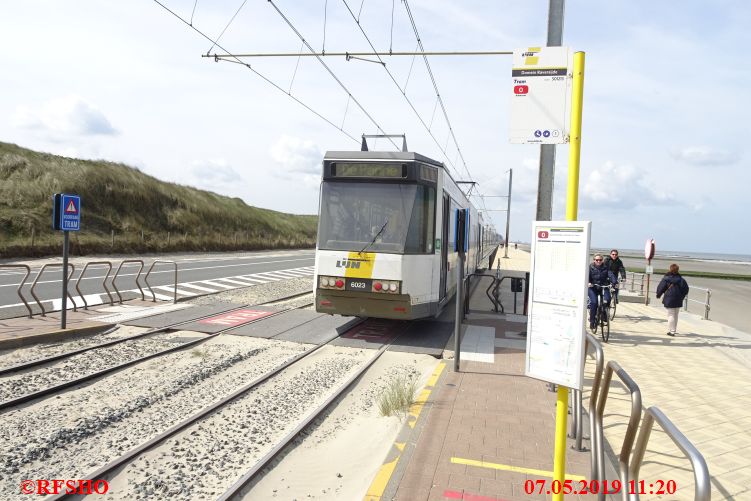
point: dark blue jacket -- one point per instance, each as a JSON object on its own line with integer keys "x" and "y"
{"x": 674, "y": 288}
{"x": 601, "y": 275}
{"x": 616, "y": 266}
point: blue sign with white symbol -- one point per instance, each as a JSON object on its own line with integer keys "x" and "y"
{"x": 546, "y": 133}
{"x": 69, "y": 212}
{"x": 538, "y": 133}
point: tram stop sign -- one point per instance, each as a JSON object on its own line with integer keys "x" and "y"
{"x": 66, "y": 212}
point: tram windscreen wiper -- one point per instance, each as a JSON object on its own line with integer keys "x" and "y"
{"x": 375, "y": 237}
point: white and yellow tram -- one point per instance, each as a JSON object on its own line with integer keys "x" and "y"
{"x": 386, "y": 235}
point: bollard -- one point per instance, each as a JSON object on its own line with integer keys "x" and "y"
{"x": 33, "y": 235}
{"x": 168, "y": 238}
{"x": 706, "y": 305}
{"x": 113, "y": 238}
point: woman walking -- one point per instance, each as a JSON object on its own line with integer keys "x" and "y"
{"x": 674, "y": 289}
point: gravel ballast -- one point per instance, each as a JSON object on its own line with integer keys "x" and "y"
{"x": 68, "y": 369}
{"x": 80, "y": 430}
{"x": 204, "y": 460}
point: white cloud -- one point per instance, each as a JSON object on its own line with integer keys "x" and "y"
{"x": 296, "y": 155}
{"x": 298, "y": 159}
{"x": 214, "y": 172}
{"x": 65, "y": 116}
{"x": 705, "y": 156}
{"x": 622, "y": 187}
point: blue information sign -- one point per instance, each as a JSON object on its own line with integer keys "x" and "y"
{"x": 68, "y": 212}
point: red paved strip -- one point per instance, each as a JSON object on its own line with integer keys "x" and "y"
{"x": 234, "y": 318}
{"x": 373, "y": 330}
{"x": 467, "y": 497}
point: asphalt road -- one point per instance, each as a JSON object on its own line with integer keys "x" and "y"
{"x": 197, "y": 274}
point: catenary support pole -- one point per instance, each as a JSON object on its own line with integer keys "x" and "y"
{"x": 508, "y": 213}
{"x": 572, "y": 205}
{"x": 547, "y": 151}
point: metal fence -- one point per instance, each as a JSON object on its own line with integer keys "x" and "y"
{"x": 636, "y": 283}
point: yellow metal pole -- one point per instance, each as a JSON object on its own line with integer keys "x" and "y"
{"x": 574, "y": 152}
{"x": 572, "y": 203}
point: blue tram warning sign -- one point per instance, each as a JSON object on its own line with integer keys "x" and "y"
{"x": 66, "y": 212}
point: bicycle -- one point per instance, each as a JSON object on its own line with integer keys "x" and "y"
{"x": 614, "y": 299}
{"x": 602, "y": 315}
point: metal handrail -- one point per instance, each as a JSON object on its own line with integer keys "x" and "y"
{"x": 49, "y": 265}
{"x": 633, "y": 422}
{"x": 139, "y": 261}
{"x": 18, "y": 290}
{"x": 702, "y": 486}
{"x": 104, "y": 281}
{"x": 597, "y": 451}
{"x": 146, "y": 279}
{"x": 641, "y": 281}
{"x": 705, "y": 303}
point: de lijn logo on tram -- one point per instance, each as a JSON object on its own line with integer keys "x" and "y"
{"x": 352, "y": 264}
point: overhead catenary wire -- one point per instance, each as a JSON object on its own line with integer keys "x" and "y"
{"x": 331, "y": 72}
{"x": 260, "y": 75}
{"x": 435, "y": 85}
{"x": 216, "y": 43}
{"x": 403, "y": 92}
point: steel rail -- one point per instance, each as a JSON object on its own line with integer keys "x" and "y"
{"x": 125, "y": 458}
{"x": 18, "y": 289}
{"x": 269, "y": 456}
{"x": 155, "y": 330}
{"x": 96, "y": 375}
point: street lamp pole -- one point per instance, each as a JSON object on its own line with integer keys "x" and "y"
{"x": 508, "y": 212}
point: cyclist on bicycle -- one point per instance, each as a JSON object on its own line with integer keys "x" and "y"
{"x": 614, "y": 264}
{"x": 599, "y": 275}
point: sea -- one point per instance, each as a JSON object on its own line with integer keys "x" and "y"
{"x": 742, "y": 259}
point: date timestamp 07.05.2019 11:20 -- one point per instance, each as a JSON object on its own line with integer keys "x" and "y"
{"x": 541, "y": 486}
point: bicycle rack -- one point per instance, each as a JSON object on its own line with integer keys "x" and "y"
{"x": 146, "y": 279}
{"x": 104, "y": 282}
{"x": 138, "y": 275}
{"x": 597, "y": 439}
{"x": 41, "y": 271}
{"x": 18, "y": 290}
{"x": 702, "y": 486}
{"x": 633, "y": 422}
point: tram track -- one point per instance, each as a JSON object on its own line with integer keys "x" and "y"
{"x": 56, "y": 388}
{"x": 42, "y": 361}
{"x": 255, "y": 401}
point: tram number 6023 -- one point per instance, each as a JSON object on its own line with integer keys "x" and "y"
{"x": 357, "y": 285}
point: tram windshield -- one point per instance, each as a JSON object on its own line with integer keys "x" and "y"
{"x": 377, "y": 217}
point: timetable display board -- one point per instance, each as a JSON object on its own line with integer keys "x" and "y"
{"x": 558, "y": 302}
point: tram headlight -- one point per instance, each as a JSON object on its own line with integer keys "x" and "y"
{"x": 386, "y": 286}
{"x": 393, "y": 287}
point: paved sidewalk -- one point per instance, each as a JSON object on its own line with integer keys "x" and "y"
{"x": 700, "y": 380}
{"x": 489, "y": 428}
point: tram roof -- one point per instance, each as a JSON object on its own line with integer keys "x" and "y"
{"x": 408, "y": 156}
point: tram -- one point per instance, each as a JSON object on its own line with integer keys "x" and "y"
{"x": 386, "y": 233}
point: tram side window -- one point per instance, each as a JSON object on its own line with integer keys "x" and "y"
{"x": 421, "y": 233}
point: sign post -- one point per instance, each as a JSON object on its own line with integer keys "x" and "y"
{"x": 649, "y": 253}
{"x": 540, "y": 103}
{"x": 66, "y": 216}
{"x": 461, "y": 244}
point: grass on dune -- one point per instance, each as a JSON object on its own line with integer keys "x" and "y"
{"x": 146, "y": 214}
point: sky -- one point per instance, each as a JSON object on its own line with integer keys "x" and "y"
{"x": 664, "y": 132}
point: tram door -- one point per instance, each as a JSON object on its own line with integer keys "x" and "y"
{"x": 444, "y": 245}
